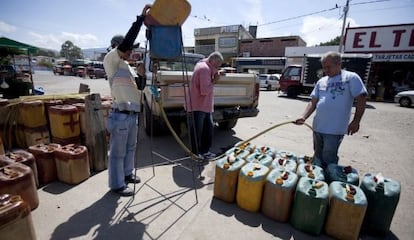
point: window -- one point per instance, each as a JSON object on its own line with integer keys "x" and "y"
{"x": 227, "y": 42}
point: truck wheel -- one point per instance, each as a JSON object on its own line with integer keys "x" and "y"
{"x": 292, "y": 92}
{"x": 150, "y": 122}
{"x": 228, "y": 124}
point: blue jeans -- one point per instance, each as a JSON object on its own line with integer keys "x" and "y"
{"x": 326, "y": 148}
{"x": 123, "y": 129}
{"x": 201, "y": 131}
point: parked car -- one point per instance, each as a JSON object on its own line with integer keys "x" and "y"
{"x": 404, "y": 98}
{"x": 269, "y": 81}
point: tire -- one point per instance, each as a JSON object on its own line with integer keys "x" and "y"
{"x": 405, "y": 102}
{"x": 150, "y": 123}
{"x": 228, "y": 124}
{"x": 292, "y": 92}
{"x": 269, "y": 88}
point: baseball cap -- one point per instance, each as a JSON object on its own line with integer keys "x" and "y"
{"x": 116, "y": 40}
{"x": 119, "y": 41}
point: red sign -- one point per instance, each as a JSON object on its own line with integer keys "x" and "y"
{"x": 380, "y": 39}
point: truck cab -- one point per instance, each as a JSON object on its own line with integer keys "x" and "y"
{"x": 300, "y": 79}
{"x": 290, "y": 80}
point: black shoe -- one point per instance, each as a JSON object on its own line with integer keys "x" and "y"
{"x": 132, "y": 179}
{"x": 124, "y": 191}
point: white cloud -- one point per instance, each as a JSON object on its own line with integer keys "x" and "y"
{"x": 317, "y": 29}
{"x": 55, "y": 41}
{"x": 6, "y": 28}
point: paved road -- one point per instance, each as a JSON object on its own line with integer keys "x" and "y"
{"x": 165, "y": 206}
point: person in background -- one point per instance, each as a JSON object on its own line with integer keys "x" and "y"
{"x": 332, "y": 98}
{"x": 200, "y": 104}
{"x": 123, "y": 119}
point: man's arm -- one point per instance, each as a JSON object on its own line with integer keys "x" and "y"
{"x": 310, "y": 108}
{"x": 359, "y": 112}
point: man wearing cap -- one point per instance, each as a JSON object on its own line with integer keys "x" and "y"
{"x": 123, "y": 119}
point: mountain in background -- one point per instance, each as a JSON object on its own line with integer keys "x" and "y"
{"x": 94, "y": 53}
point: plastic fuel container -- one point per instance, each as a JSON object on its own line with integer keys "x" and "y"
{"x": 250, "y": 186}
{"x": 226, "y": 177}
{"x": 347, "y": 174}
{"x": 347, "y": 207}
{"x": 311, "y": 171}
{"x": 260, "y": 158}
{"x": 72, "y": 163}
{"x": 45, "y": 161}
{"x": 17, "y": 179}
{"x": 15, "y": 218}
{"x": 383, "y": 195}
{"x": 278, "y": 194}
{"x": 310, "y": 205}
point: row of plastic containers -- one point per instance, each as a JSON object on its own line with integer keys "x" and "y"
{"x": 21, "y": 171}
{"x": 286, "y": 189}
{"x": 46, "y": 121}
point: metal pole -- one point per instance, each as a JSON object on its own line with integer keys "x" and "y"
{"x": 341, "y": 42}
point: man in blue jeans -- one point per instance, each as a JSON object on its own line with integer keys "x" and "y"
{"x": 332, "y": 98}
{"x": 199, "y": 104}
{"x": 123, "y": 120}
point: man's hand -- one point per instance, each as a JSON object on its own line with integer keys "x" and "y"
{"x": 353, "y": 127}
{"x": 216, "y": 77}
{"x": 145, "y": 9}
{"x": 141, "y": 69}
{"x": 299, "y": 121}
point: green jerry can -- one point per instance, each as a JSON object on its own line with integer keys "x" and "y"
{"x": 310, "y": 205}
{"x": 347, "y": 207}
{"x": 287, "y": 164}
{"x": 311, "y": 171}
{"x": 286, "y": 154}
{"x": 346, "y": 174}
{"x": 226, "y": 176}
{"x": 278, "y": 194}
{"x": 383, "y": 195}
{"x": 260, "y": 158}
{"x": 250, "y": 186}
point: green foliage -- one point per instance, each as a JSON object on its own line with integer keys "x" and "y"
{"x": 331, "y": 42}
{"x": 70, "y": 51}
{"x": 45, "y": 63}
{"x": 46, "y": 52}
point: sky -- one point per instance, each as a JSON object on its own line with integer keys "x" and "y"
{"x": 92, "y": 23}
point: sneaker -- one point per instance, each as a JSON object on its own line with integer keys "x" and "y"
{"x": 124, "y": 191}
{"x": 132, "y": 179}
{"x": 209, "y": 155}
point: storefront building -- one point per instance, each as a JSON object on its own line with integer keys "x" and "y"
{"x": 392, "y": 49}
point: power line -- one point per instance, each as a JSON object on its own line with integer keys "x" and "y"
{"x": 375, "y": 1}
{"x": 300, "y": 16}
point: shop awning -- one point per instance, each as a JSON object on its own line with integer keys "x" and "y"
{"x": 9, "y": 43}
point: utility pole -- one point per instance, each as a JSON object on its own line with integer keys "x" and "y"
{"x": 341, "y": 42}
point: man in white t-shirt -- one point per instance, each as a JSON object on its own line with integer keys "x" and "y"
{"x": 333, "y": 98}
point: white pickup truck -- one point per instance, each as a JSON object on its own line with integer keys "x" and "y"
{"x": 236, "y": 95}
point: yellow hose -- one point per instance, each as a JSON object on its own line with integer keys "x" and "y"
{"x": 194, "y": 156}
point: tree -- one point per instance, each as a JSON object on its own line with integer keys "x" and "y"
{"x": 331, "y": 42}
{"x": 70, "y": 51}
{"x": 46, "y": 52}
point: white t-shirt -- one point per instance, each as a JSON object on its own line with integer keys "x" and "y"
{"x": 335, "y": 99}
